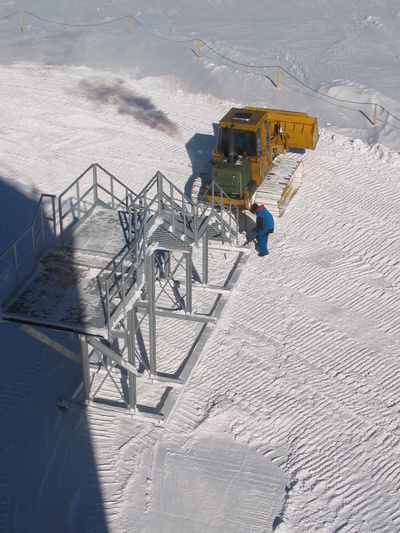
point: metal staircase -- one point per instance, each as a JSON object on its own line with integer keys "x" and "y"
{"x": 118, "y": 263}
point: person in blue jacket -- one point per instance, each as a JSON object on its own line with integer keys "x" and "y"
{"x": 264, "y": 226}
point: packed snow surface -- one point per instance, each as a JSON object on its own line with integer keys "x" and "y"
{"x": 291, "y": 418}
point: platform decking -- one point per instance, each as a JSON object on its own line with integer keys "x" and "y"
{"x": 63, "y": 291}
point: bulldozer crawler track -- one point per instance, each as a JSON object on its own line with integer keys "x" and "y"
{"x": 280, "y": 184}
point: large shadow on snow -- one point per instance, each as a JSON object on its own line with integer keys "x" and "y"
{"x": 199, "y": 149}
{"x": 16, "y": 212}
{"x": 48, "y": 476}
{"x": 126, "y": 102}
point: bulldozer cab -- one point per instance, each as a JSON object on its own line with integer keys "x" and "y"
{"x": 238, "y": 142}
{"x": 239, "y": 134}
{"x": 249, "y": 139}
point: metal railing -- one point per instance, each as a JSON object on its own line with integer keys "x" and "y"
{"x": 220, "y": 207}
{"x": 160, "y": 199}
{"x": 166, "y": 200}
{"x": 94, "y": 185}
{"x": 128, "y": 274}
{"x": 190, "y": 218}
{"x": 20, "y": 259}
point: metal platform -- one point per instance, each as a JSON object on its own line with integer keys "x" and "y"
{"x": 62, "y": 292}
{"x": 115, "y": 270}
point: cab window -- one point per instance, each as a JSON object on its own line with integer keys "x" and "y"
{"x": 245, "y": 142}
{"x": 258, "y": 137}
{"x": 266, "y": 133}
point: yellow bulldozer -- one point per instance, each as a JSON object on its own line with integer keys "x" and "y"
{"x": 250, "y": 139}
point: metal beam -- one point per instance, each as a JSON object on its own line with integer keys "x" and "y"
{"x": 167, "y": 264}
{"x": 85, "y": 369}
{"x": 151, "y": 298}
{"x": 29, "y": 330}
{"x": 205, "y": 258}
{"x": 131, "y": 358}
{"x": 212, "y": 288}
{"x": 189, "y": 306}
{"x": 143, "y": 308}
{"x": 97, "y": 345}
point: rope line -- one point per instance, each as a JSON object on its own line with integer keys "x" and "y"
{"x": 74, "y": 25}
{"x": 8, "y": 16}
{"x": 238, "y": 63}
{"x": 295, "y": 79}
{"x": 317, "y": 93}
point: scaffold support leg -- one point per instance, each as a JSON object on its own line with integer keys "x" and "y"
{"x": 85, "y": 369}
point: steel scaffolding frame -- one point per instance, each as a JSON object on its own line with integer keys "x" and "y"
{"x": 162, "y": 227}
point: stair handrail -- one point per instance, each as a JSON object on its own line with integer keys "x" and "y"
{"x": 77, "y": 201}
{"x": 41, "y": 233}
{"x": 169, "y": 196}
{"x": 218, "y": 205}
{"x": 128, "y": 274}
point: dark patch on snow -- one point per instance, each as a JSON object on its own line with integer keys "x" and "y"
{"x": 127, "y": 102}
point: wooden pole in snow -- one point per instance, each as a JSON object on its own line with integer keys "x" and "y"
{"x": 22, "y": 23}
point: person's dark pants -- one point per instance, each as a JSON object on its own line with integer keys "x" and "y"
{"x": 263, "y": 241}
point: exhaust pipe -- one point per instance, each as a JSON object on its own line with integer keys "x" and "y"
{"x": 231, "y": 147}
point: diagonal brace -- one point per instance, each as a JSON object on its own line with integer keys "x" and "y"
{"x": 97, "y": 345}
{"x": 51, "y": 343}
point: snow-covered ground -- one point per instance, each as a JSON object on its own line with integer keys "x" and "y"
{"x": 291, "y": 419}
